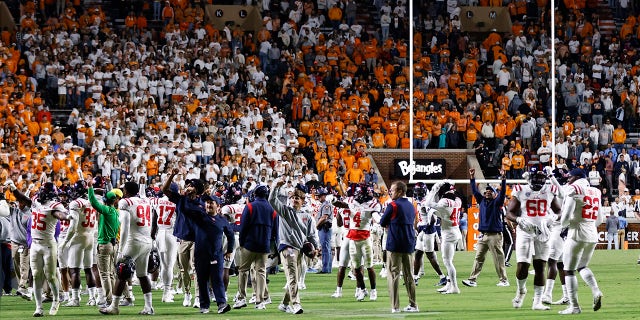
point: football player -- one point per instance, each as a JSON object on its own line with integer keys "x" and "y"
{"x": 425, "y": 242}
{"x": 137, "y": 225}
{"x": 360, "y": 246}
{"x": 167, "y": 243}
{"x": 234, "y": 204}
{"x": 80, "y": 244}
{"x": 532, "y": 207}
{"x": 343, "y": 221}
{"x": 63, "y": 252}
{"x": 45, "y": 213}
{"x": 581, "y": 214}
{"x": 555, "y": 264}
{"x": 448, "y": 206}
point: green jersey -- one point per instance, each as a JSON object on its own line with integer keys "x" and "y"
{"x": 109, "y": 223}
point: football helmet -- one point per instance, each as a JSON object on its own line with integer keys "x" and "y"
{"x": 419, "y": 191}
{"x": 47, "y": 192}
{"x": 125, "y": 268}
{"x": 153, "y": 192}
{"x": 233, "y": 194}
{"x": 536, "y": 179}
{"x": 322, "y": 191}
{"x": 78, "y": 190}
{"x": 308, "y": 249}
{"x": 154, "y": 261}
{"x": 363, "y": 193}
{"x": 447, "y": 190}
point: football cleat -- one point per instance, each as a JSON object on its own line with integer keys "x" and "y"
{"x": 55, "y": 305}
{"x": 373, "y": 295}
{"x": 410, "y": 309}
{"x": 361, "y": 294}
{"x": 570, "y": 310}
{"x": 451, "y": 291}
{"x": 469, "y": 283}
{"x": 38, "y": 313}
{"x": 443, "y": 282}
{"x": 72, "y": 303}
{"x": 224, "y": 308}
{"x": 597, "y": 301}
{"x": 110, "y": 311}
{"x": 519, "y": 299}
{"x": 503, "y": 283}
{"x": 563, "y": 300}
{"x": 540, "y": 306}
{"x": 147, "y": 312}
{"x": 187, "y": 300}
{"x": 284, "y": 308}
{"x": 240, "y": 304}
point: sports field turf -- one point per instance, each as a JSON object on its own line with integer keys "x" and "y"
{"x": 616, "y": 271}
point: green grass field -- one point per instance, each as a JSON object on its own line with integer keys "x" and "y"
{"x": 616, "y": 271}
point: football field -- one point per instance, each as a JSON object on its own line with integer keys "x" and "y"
{"x": 617, "y": 273}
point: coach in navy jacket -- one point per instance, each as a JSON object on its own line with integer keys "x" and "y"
{"x": 491, "y": 226}
{"x": 398, "y": 218}
{"x": 258, "y": 229}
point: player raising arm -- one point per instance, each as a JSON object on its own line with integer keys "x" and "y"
{"x": 581, "y": 214}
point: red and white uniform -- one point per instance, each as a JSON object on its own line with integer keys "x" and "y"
{"x": 135, "y": 231}
{"x": 449, "y": 212}
{"x": 581, "y": 213}
{"x": 81, "y": 234}
{"x": 167, "y": 243}
{"x": 233, "y": 213}
{"x": 44, "y": 248}
{"x": 359, "y": 235}
{"x": 535, "y": 206}
{"x": 345, "y": 216}
{"x": 63, "y": 252}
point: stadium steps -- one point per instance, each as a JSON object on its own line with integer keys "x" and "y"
{"x": 607, "y": 22}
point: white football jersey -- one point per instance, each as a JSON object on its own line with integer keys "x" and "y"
{"x": 535, "y": 205}
{"x": 85, "y": 217}
{"x": 43, "y": 223}
{"x": 424, "y": 214}
{"x": 581, "y": 211}
{"x": 165, "y": 210}
{"x": 139, "y": 211}
{"x": 233, "y": 212}
{"x": 449, "y": 211}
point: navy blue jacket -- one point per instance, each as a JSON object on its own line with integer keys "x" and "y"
{"x": 208, "y": 231}
{"x": 183, "y": 228}
{"x": 258, "y": 226}
{"x": 399, "y": 217}
{"x": 490, "y": 210}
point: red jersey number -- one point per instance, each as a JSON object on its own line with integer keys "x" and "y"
{"x": 590, "y": 208}
{"x": 455, "y": 217}
{"x": 165, "y": 215}
{"x": 89, "y": 218}
{"x": 536, "y": 208}
{"x": 37, "y": 222}
{"x": 144, "y": 216}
